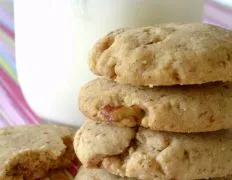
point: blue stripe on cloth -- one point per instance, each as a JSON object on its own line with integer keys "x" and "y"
{"x": 6, "y": 19}
{"x": 8, "y": 58}
{"x": 7, "y": 53}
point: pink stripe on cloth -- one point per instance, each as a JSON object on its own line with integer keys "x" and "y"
{"x": 219, "y": 6}
{"x": 218, "y": 14}
{"x": 9, "y": 113}
{"x": 7, "y": 31}
{"x": 14, "y": 93}
{"x": 3, "y": 122}
{"x": 210, "y": 20}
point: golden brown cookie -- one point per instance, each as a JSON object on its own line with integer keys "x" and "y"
{"x": 101, "y": 174}
{"x": 97, "y": 174}
{"x": 31, "y": 152}
{"x": 106, "y": 141}
{"x": 154, "y": 155}
{"x": 166, "y": 54}
{"x": 197, "y": 108}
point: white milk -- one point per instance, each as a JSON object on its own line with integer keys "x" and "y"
{"x": 53, "y": 38}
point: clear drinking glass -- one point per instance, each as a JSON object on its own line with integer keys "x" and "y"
{"x": 53, "y": 38}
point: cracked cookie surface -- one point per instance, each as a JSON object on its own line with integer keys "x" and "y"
{"x": 147, "y": 154}
{"x": 97, "y": 174}
{"x": 106, "y": 141}
{"x": 166, "y": 54}
{"x": 102, "y": 174}
{"x": 32, "y": 151}
{"x": 197, "y": 108}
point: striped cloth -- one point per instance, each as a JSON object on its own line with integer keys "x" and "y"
{"x": 219, "y": 12}
{"x": 13, "y": 107}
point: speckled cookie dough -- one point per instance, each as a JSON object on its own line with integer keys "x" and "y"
{"x": 31, "y": 152}
{"x": 166, "y": 54}
{"x": 145, "y": 154}
{"x": 197, "y": 108}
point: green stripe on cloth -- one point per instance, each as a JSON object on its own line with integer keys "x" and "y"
{"x": 8, "y": 68}
{"x": 7, "y": 39}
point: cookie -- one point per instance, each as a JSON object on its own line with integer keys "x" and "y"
{"x": 31, "y": 152}
{"x": 154, "y": 155}
{"x": 97, "y": 174}
{"x": 56, "y": 175}
{"x": 101, "y": 174}
{"x": 197, "y": 108}
{"x": 166, "y": 54}
{"x": 106, "y": 141}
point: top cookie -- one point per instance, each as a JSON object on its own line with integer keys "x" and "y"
{"x": 166, "y": 54}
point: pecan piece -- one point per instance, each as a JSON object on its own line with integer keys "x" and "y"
{"x": 130, "y": 116}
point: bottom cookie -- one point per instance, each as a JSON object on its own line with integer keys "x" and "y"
{"x": 57, "y": 175}
{"x": 97, "y": 174}
{"x": 101, "y": 174}
{"x": 146, "y": 154}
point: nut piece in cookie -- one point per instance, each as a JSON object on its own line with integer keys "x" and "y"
{"x": 130, "y": 116}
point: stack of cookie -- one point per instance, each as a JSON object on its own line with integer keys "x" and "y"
{"x": 163, "y": 110}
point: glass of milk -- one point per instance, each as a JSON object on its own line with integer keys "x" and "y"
{"x": 53, "y": 38}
